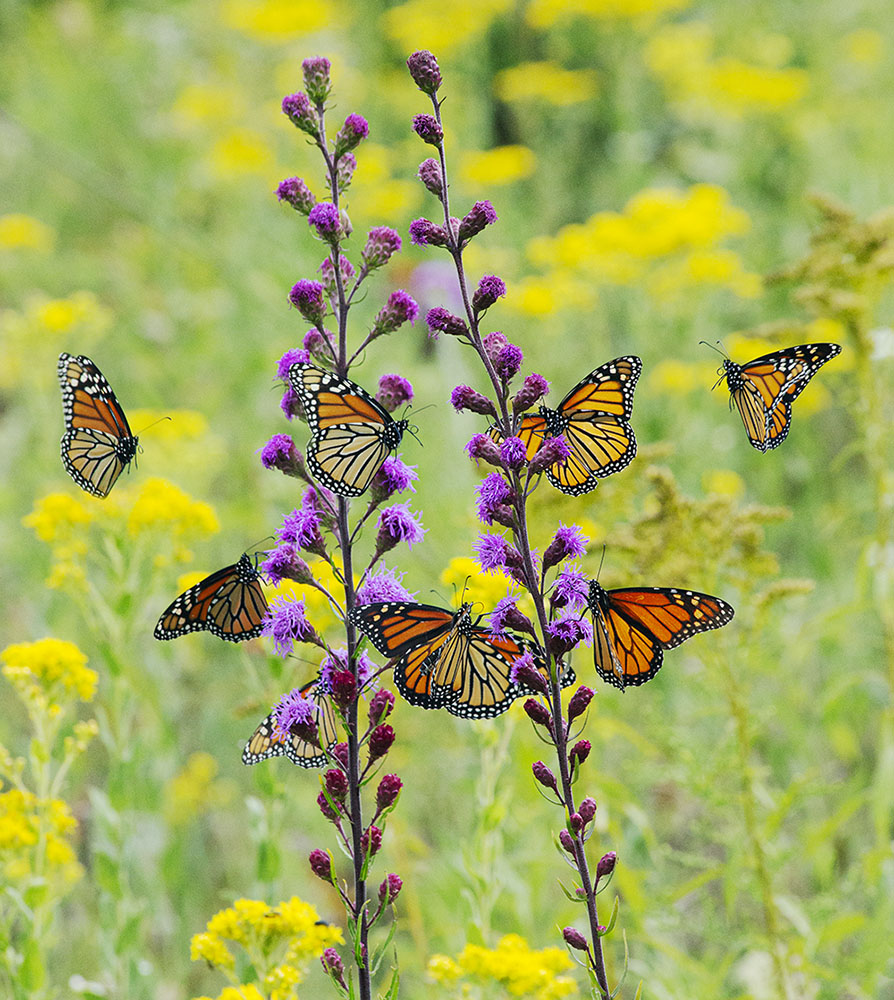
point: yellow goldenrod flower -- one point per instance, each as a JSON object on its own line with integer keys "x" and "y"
{"x": 23, "y": 819}
{"x": 58, "y": 516}
{"x": 545, "y": 13}
{"x": 193, "y": 791}
{"x": 413, "y": 27}
{"x": 276, "y": 20}
{"x": 161, "y": 504}
{"x": 67, "y": 576}
{"x": 865, "y": 46}
{"x": 724, "y": 482}
{"x": 22, "y": 232}
{"x": 501, "y": 165}
{"x": 742, "y": 87}
{"x": 241, "y": 152}
{"x": 468, "y": 583}
{"x": 546, "y": 81}
{"x": 211, "y": 949}
{"x": 51, "y": 663}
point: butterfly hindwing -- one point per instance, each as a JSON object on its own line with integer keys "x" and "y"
{"x": 267, "y": 741}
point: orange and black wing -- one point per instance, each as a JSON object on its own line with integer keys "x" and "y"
{"x": 97, "y": 444}
{"x": 267, "y": 741}
{"x": 531, "y": 431}
{"x": 229, "y": 603}
{"x": 352, "y": 433}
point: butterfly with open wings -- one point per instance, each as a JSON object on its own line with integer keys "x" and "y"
{"x": 267, "y": 740}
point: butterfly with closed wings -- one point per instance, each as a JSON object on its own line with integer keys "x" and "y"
{"x": 267, "y": 740}
{"x": 229, "y": 603}
{"x": 97, "y": 445}
{"x": 352, "y": 433}
{"x": 444, "y": 659}
{"x": 594, "y": 418}
{"x": 764, "y": 389}
{"x": 634, "y": 625}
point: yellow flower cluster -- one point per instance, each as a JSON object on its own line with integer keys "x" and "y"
{"x": 280, "y": 941}
{"x": 28, "y": 826}
{"x": 498, "y": 166}
{"x": 276, "y": 21}
{"x": 463, "y": 575}
{"x": 52, "y": 666}
{"x": 545, "y": 13}
{"x": 546, "y": 81}
{"x": 23, "y": 232}
{"x": 195, "y": 789}
{"x": 513, "y": 964}
{"x": 681, "y": 56}
{"x": 159, "y": 504}
{"x": 413, "y": 27}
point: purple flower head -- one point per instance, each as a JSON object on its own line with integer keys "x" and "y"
{"x": 334, "y": 967}
{"x": 280, "y": 453}
{"x": 394, "y": 391}
{"x": 342, "y": 689}
{"x": 493, "y": 492}
{"x": 493, "y": 343}
{"x": 293, "y": 709}
{"x": 481, "y": 446}
{"x": 579, "y": 702}
{"x": 513, "y": 452}
{"x": 383, "y": 585}
{"x": 428, "y": 129}
{"x": 286, "y": 623}
{"x": 371, "y": 840}
{"x": 551, "y": 451}
{"x": 399, "y": 308}
{"x": 316, "y": 78}
{"x": 380, "y": 741}
{"x": 381, "y": 706}
{"x": 464, "y": 397}
{"x": 538, "y": 712}
{"x": 489, "y": 289}
{"x": 387, "y": 792}
{"x": 570, "y": 589}
{"x": 506, "y": 617}
{"x": 284, "y": 563}
{"x": 508, "y": 362}
{"x": 424, "y": 233}
{"x": 327, "y": 273}
{"x": 568, "y": 543}
{"x": 397, "y": 524}
{"x": 389, "y": 888}
{"x": 430, "y": 175}
{"x": 480, "y": 215}
{"x": 574, "y": 939}
{"x": 290, "y": 404}
{"x": 382, "y": 243}
{"x": 298, "y": 109}
{"x": 351, "y": 134}
{"x": 325, "y": 218}
{"x": 535, "y": 387}
{"x": 393, "y": 477}
{"x": 293, "y": 356}
{"x": 321, "y": 865}
{"x": 302, "y": 527}
{"x": 296, "y": 193}
{"x": 440, "y": 320}
{"x": 344, "y": 171}
{"x": 525, "y": 674}
{"x": 492, "y": 552}
{"x": 334, "y": 664}
{"x": 307, "y": 297}
{"x": 566, "y": 633}
{"x": 424, "y": 69}
{"x": 318, "y": 345}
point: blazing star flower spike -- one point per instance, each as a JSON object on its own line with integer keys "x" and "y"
{"x": 293, "y": 709}
{"x": 424, "y": 233}
{"x": 513, "y": 453}
{"x": 290, "y": 404}
{"x": 394, "y": 391}
{"x": 316, "y": 79}
{"x": 399, "y": 309}
{"x": 551, "y": 451}
{"x": 326, "y": 220}
{"x": 506, "y": 617}
{"x": 566, "y": 633}
{"x": 302, "y": 529}
{"x": 286, "y": 623}
{"x": 307, "y": 297}
{"x": 425, "y": 72}
{"x": 293, "y": 191}
{"x": 495, "y": 554}
{"x": 300, "y": 112}
{"x": 570, "y": 589}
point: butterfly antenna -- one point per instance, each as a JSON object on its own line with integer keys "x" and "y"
{"x": 601, "y": 561}
{"x": 154, "y": 422}
{"x": 257, "y": 555}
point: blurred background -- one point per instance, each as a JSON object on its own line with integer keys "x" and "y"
{"x": 664, "y": 172}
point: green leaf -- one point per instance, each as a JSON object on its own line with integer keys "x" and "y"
{"x": 269, "y": 861}
{"x": 31, "y": 971}
{"x": 129, "y": 935}
{"x": 107, "y": 874}
{"x": 393, "y": 985}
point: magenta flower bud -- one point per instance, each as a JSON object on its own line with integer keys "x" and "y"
{"x": 606, "y": 864}
{"x": 424, "y": 233}
{"x": 424, "y": 69}
{"x": 397, "y": 524}
{"x": 388, "y": 791}
{"x": 394, "y": 391}
{"x": 399, "y": 308}
{"x": 333, "y": 967}
{"x": 336, "y": 784}
{"x": 513, "y": 453}
{"x": 464, "y": 397}
{"x": 371, "y": 841}
{"x": 428, "y": 129}
{"x": 389, "y": 888}
{"x": 481, "y": 446}
{"x": 579, "y": 752}
{"x": 325, "y": 218}
{"x": 327, "y": 273}
{"x": 579, "y": 702}
{"x": 300, "y": 112}
{"x": 393, "y": 477}
{"x": 321, "y": 865}
{"x": 538, "y": 713}
{"x": 535, "y": 387}
{"x": 481, "y": 214}
{"x": 508, "y": 362}
{"x": 382, "y": 243}
{"x": 280, "y": 453}
{"x": 493, "y": 343}
{"x": 587, "y": 809}
{"x": 575, "y": 821}
{"x": 567, "y": 842}
{"x": 284, "y": 563}
{"x": 344, "y": 689}
{"x": 344, "y": 171}
{"x": 315, "y": 343}
{"x": 307, "y": 297}
{"x": 489, "y": 289}
{"x": 296, "y": 193}
{"x": 380, "y": 740}
{"x": 351, "y": 134}
{"x": 574, "y": 939}
{"x": 552, "y": 450}
{"x": 430, "y": 175}
{"x": 440, "y": 320}
{"x": 340, "y": 752}
{"x": 381, "y": 706}
{"x": 528, "y": 676}
{"x": 326, "y": 809}
{"x": 544, "y": 775}
{"x": 316, "y": 78}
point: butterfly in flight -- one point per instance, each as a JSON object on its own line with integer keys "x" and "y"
{"x": 229, "y": 603}
{"x": 443, "y": 659}
{"x": 267, "y": 741}
{"x": 97, "y": 445}
{"x": 764, "y": 389}
{"x": 352, "y": 432}
{"x": 595, "y": 420}
{"x": 634, "y": 625}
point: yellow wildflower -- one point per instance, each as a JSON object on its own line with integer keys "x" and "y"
{"x": 58, "y": 516}
{"x": 193, "y": 791}
{"x": 23, "y": 819}
{"x": 545, "y": 81}
{"x": 545, "y": 13}
{"x": 161, "y": 504}
{"x": 50, "y": 663}
{"x": 247, "y": 991}
{"x": 240, "y": 152}
{"x": 865, "y": 46}
{"x": 18, "y": 827}
{"x": 23, "y": 232}
{"x": 501, "y": 165}
{"x": 204, "y": 102}
{"x": 413, "y": 27}
{"x": 276, "y": 20}
{"x": 678, "y": 378}
{"x": 742, "y": 87}
{"x": 210, "y": 948}
{"x": 64, "y": 315}
{"x": 443, "y": 969}
{"x": 67, "y": 576}
{"x": 468, "y": 583}
{"x": 724, "y": 482}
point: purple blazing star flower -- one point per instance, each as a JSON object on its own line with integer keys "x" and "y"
{"x": 316, "y": 78}
{"x": 325, "y": 218}
{"x": 492, "y": 552}
{"x": 327, "y": 273}
{"x": 394, "y": 476}
{"x": 337, "y": 660}
{"x": 480, "y": 215}
{"x": 280, "y": 450}
{"x": 292, "y": 356}
{"x": 464, "y": 397}
{"x": 493, "y": 493}
{"x": 284, "y": 563}
{"x": 513, "y": 452}
{"x": 441, "y": 320}
{"x": 424, "y": 233}
{"x": 493, "y": 343}
{"x": 568, "y": 543}
{"x": 399, "y": 308}
{"x": 397, "y": 524}
{"x": 566, "y": 633}
{"x": 298, "y": 109}
{"x": 570, "y": 589}
{"x": 489, "y": 289}
{"x": 292, "y": 709}
{"x": 383, "y": 585}
{"x": 428, "y": 129}
{"x": 307, "y": 297}
{"x": 552, "y": 450}
{"x": 506, "y": 616}
{"x": 382, "y": 244}
{"x": 424, "y": 70}
{"x": 351, "y": 134}
{"x": 286, "y": 623}
{"x": 524, "y": 663}
{"x": 290, "y": 404}
{"x": 296, "y": 193}
{"x": 302, "y": 526}
{"x": 508, "y": 361}
{"x": 535, "y": 387}
{"x": 481, "y": 446}
{"x": 394, "y": 391}
{"x": 430, "y": 175}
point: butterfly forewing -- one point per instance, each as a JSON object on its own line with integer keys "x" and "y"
{"x": 267, "y": 741}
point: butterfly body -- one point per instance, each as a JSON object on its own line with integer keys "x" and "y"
{"x": 633, "y": 626}
{"x": 229, "y": 603}
{"x": 764, "y": 389}
{"x": 352, "y": 433}
{"x": 267, "y": 741}
{"x": 97, "y": 445}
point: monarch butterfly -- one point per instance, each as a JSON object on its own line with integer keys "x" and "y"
{"x": 267, "y": 742}
{"x": 97, "y": 444}
{"x": 633, "y": 626}
{"x": 595, "y": 419}
{"x": 764, "y": 389}
{"x": 442, "y": 659}
{"x": 352, "y": 432}
{"x": 229, "y": 603}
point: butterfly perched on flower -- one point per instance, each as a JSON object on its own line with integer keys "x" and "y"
{"x": 764, "y": 389}
{"x": 444, "y": 659}
{"x": 268, "y": 741}
{"x": 634, "y": 625}
{"x": 594, "y": 418}
{"x": 229, "y": 603}
{"x": 97, "y": 445}
{"x": 352, "y": 432}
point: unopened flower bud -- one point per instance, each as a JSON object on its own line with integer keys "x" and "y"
{"x": 371, "y": 841}
{"x": 351, "y": 134}
{"x": 296, "y": 193}
{"x": 428, "y": 129}
{"x": 440, "y": 320}
{"x": 388, "y": 791}
{"x": 382, "y": 243}
{"x": 381, "y": 706}
{"x": 574, "y": 939}
{"x": 489, "y": 289}
{"x": 537, "y": 712}
{"x": 530, "y": 677}
{"x": 336, "y": 784}
{"x": 393, "y": 391}
{"x": 579, "y": 702}
{"x": 298, "y": 109}
{"x": 579, "y": 752}
{"x": 576, "y": 822}
{"x": 316, "y": 78}
{"x": 380, "y": 740}
{"x": 587, "y": 809}
{"x": 342, "y": 754}
{"x": 316, "y": 344}
{"x": 552, "y": 450}
{"x": 389, "y": 888}
{"x": 424, "y": 69}
{"x": 481, "y": 446}
{"x": 430, "y": 175}
{"x": 535, "y": 387}
{"x": 326, "y": 809}
{"x": 565, "y": 839}
{"x": 606, "y": 864}
{"x": 333, "y": 966}
{"x": 399, "y": 308}
{"x": 464, "y": 397}
{"x": 344, "y": 688}
{"x": 321, "y": 865}
{"x": 481, "y": 214}
{"x": 544, "y": 775}
{"x": 344, "y": 171}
